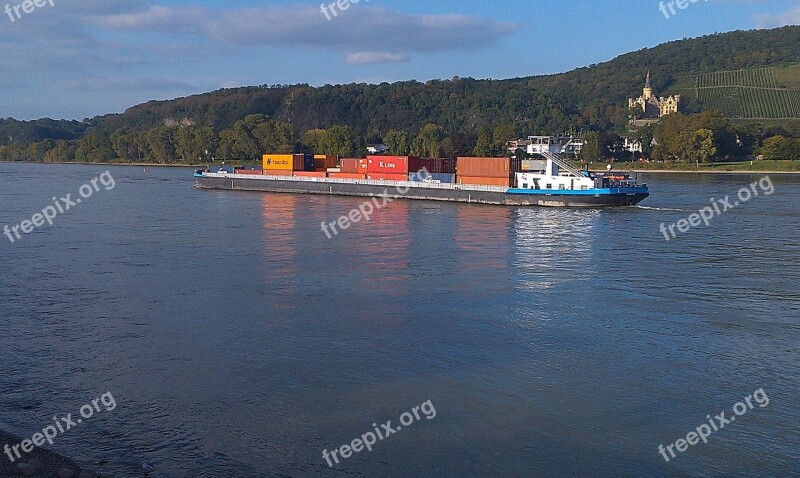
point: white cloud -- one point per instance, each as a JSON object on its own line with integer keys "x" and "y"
{"x": 355, "y": 30}
{"x": 370, "y": 57}
{"x": 790, "y": 17}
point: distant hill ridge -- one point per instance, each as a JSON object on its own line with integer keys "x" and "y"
{"x": 592, "y": 97}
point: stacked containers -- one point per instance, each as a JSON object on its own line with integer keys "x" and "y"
{"x": 322, "y": 162}
{"x": 310, "y": 174}
{"x": 347, "y": 176}
{"x": 354, "y": 166}
{"x": 438, "y": 169}
{"x": 391, "y": 168}
{"x": 487, "y": 171}
{"x": 272, "y": 163}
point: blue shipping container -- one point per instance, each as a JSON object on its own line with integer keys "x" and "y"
{"x": 421, "y": 177}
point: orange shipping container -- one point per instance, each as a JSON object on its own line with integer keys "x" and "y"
{"x": 347, "y": 176}
{"x": 249, "y": 171}
{"x": 484, "y": 181}
{"x": 388, "y": 177}
{"x": 310, "y": 174}
{"x": 355, "y": 166}
{"x": 278, "y": 172}
{"x": 284, "y": 162}
{"x": 487, "y": 167}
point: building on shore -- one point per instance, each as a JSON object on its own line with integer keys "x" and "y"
{"x": 649, "y": 108}
{"x": 561, "y": 144}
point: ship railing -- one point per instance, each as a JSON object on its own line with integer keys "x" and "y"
{"x": 370, "y": 182}
{"x": 563, "y": 164}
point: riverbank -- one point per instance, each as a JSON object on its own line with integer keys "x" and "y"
{"x": 38, "y": 463}
{"x": 146, "y": 165}
{"x": 756, "y": 167}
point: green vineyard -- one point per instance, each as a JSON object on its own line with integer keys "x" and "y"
{"x": 753, "y": 95}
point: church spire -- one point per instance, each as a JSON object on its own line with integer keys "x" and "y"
{"x": 647, "y": 83}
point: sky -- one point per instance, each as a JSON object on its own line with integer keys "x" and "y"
{"x": 76, "y": 59}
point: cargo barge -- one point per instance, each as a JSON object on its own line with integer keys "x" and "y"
{"x": 557, "y": 185}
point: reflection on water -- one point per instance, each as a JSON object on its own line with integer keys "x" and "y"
{"x": 554, "y": 247}
{"x": 240, "y": 341}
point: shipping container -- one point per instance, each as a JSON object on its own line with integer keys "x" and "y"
{"x": 484, "y": 181}
{"x": 488, "y": 167}
{"x": 251, "y": 172}
{"x": 310, "y": 174}
{"x": 387, "y": 177}
{"x": 278, "y": 172}
{"x": 442, "y": 178}
{"x": 354, "y": 166}
{"x": 347, "y": 176}
{"x": 288, "y": 162}
{"x": 392, "y": 164}
{"x": 334, "y": 170}
{"x": 433, "y": 165}
{"x": 324, "y": 161}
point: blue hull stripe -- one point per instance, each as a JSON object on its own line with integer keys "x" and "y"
{"x": 587, "y": 192}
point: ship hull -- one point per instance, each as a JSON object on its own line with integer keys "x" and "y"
{"x": 422, "y": 191}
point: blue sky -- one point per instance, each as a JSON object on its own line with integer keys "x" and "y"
{"x": 81, "y": 58}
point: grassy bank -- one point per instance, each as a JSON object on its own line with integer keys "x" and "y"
{"x": 737, "y": 167}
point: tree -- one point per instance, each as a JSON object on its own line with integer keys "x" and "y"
{"x": 777, "y": 147}
{"x": 94, "y": 148}
{"x": 397, "y": 141}
{"x": 314, "y": 139}
{"x": 484, "y": 145}
{"x": 161, "y": 144}
{"x": 428, "y": 142}
{"x": 502, "y": 135}
{"x": 193, "y": 144}
{"x": 339, "y": 141}
{"x": 592, "y": 147}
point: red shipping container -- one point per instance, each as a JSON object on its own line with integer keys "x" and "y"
{"x": 311, "y": 174}
{"x": 433, "y": 165}
{"x": 252, "y": 172}
{"x": 392, "y": 164}
{"x": 387, "y": 177}
{"x": 484, "y": 181}
{"x": 347, "y": 176}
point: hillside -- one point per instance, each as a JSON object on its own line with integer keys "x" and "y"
{"x": 592, "y": 98}
{"x": 758, "y": 95}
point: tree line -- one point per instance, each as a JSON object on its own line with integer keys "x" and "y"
{"x": 698, "y": 138}
{"x": 249, "y": 139}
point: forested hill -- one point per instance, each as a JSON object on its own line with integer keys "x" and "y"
{"x": 593, "y": 97}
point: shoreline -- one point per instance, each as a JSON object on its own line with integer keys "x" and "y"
{"x": 41, "y": 462}
{"x": 664, "y": 171}
{"x": 156, "y": 165}
{"x": 637, "y": 171}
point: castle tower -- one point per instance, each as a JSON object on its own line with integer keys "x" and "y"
{"x": 647, "y": 92}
